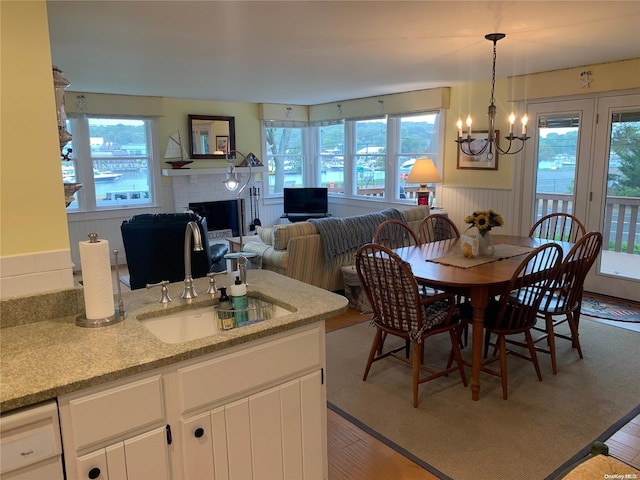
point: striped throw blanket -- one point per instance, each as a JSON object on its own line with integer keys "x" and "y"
{"x": 342, "y": 236}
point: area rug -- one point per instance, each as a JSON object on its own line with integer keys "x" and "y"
{"x": 610, "y": 308}
{"x": 540, "y": 427}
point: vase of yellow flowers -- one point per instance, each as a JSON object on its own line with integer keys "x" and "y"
{"x": 484, "y": 221}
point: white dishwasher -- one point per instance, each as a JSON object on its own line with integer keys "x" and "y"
{"x": 30, "y": 447}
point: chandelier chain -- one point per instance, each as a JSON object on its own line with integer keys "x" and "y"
{"x": 493, "y": 74}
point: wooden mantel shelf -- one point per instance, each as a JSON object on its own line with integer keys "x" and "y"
{"x": 178, "y": 172}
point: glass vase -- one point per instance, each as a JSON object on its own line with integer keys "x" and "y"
{"x": 485, "y": 245}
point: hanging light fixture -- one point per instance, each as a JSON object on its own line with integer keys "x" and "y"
{"x": 490, "y": 145}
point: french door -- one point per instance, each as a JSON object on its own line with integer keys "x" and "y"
{"x": 584, "y": 159}
{"x": 615, "y": 197}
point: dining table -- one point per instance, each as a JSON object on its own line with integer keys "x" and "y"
{"x": 442, "y": 266}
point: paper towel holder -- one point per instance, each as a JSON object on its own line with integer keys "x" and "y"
{"x": 119, "y": 313}
{"x": 83, "y": 321}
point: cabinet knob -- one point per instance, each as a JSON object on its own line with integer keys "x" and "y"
{"x": 94, "y": 473}
{"x": 199, "y": 432}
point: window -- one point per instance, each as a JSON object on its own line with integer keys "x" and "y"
{"x": 111, "y": 158}
{"x": 285, "y": 155}
{"x": 363, "y": 158}
{"x": 331, "y": 157}
{"x": 418, "y": 137}
{"x": 370, "y": 140}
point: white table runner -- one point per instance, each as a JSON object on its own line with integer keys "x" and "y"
{"x": 503, "y": 250}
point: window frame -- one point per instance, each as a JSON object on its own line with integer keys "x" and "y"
{"x": 81, "y": 142}
{"x": 312, "y": 155}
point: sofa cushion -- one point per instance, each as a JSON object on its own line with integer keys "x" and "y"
{"x": 417, "y": 213}
{"x": 282, "y": 233}
{"x": 265, "y": 234}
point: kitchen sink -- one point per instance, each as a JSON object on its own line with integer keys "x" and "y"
{"x": 196, "y": 323}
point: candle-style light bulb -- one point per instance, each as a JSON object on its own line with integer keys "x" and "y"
{"x": 512, "y": 119}
{"x": 459, "y": 124}
{"x": 524, "y": 125}
{"x": 469, "y": 125}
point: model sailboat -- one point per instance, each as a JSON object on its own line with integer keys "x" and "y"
{"x": 176, "y": 150}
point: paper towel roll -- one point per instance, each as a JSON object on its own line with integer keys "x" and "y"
{"x": 96, "y": 277}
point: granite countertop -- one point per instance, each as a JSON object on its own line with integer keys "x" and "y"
{"x": 44, "y": 359}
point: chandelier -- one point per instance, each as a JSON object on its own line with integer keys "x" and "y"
{"x": 490, "y": 145}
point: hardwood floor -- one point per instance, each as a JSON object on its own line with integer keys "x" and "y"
{"x": 356, "y": 455}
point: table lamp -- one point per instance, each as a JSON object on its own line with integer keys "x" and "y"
{"x": 423, "y": 172}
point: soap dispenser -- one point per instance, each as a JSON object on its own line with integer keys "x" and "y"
{"x": 226, "y": 319}
{"x": 239, "y": 300}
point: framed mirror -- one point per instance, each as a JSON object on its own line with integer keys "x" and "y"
{"x": 211, "y": 136}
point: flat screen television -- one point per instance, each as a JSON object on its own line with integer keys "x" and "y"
{"x": 220, "y": 215}
{"x": 309, "y": 200}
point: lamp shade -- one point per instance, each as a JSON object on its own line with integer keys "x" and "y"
{"x": 423, "y": 172}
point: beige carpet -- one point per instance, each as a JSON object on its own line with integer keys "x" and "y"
{"x": 541, "y": 425}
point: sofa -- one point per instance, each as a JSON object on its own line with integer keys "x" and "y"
{"x": 297, "y": 249}
{"x": 154, "y": 248}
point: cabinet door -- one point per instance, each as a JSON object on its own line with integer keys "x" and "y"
{"x": 278, "y": 433}
{"x": 147, "y": 456}
{"x": 239, "y": 439}
{"x": 292, "y": 430}
{"x": 219, "y": 440}
{"x": 138, "y": 458}
{"x": 116, "y": 462}
{"x": 92, "y": 466}
{"x": 314, "y": 426}
{"x": 198, "y": 447}
{"x": 205, "y": 446}
{"x": 266, "y": 433}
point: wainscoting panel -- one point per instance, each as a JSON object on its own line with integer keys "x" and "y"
{"x": 460, "y": 202}
{"x": 107, "y": 229}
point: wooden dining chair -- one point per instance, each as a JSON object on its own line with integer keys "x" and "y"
{"x": 437, "y": 227}
{"x": 558, "y": 226}
{"x": 394, "y": 234}
{"x": 515, "y": 310}
{"x": 400, "y": 311}
{"x": 434, "y": 228}
{"x": 563, "y": 302}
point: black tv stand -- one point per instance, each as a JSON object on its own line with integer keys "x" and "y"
{"x": 303, "y": 217}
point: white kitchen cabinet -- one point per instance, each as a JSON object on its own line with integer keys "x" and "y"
{"x": 117, "y": 431}
{"x": 255, "y": 410}
{"x": 138, "y": 458}
{"x": 276, "y": 433}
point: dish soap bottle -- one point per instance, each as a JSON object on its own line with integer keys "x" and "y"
{"x": 226, "y": 320}
{"x": 239, "y": 300}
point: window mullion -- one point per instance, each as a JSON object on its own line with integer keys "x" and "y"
{"x": 349, "y": 158}
{"x": 84, "y": 163}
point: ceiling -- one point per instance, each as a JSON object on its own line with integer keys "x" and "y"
{"x": 312, "y": 52}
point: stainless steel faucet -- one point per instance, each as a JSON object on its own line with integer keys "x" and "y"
{"x": 192, "y": 230}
